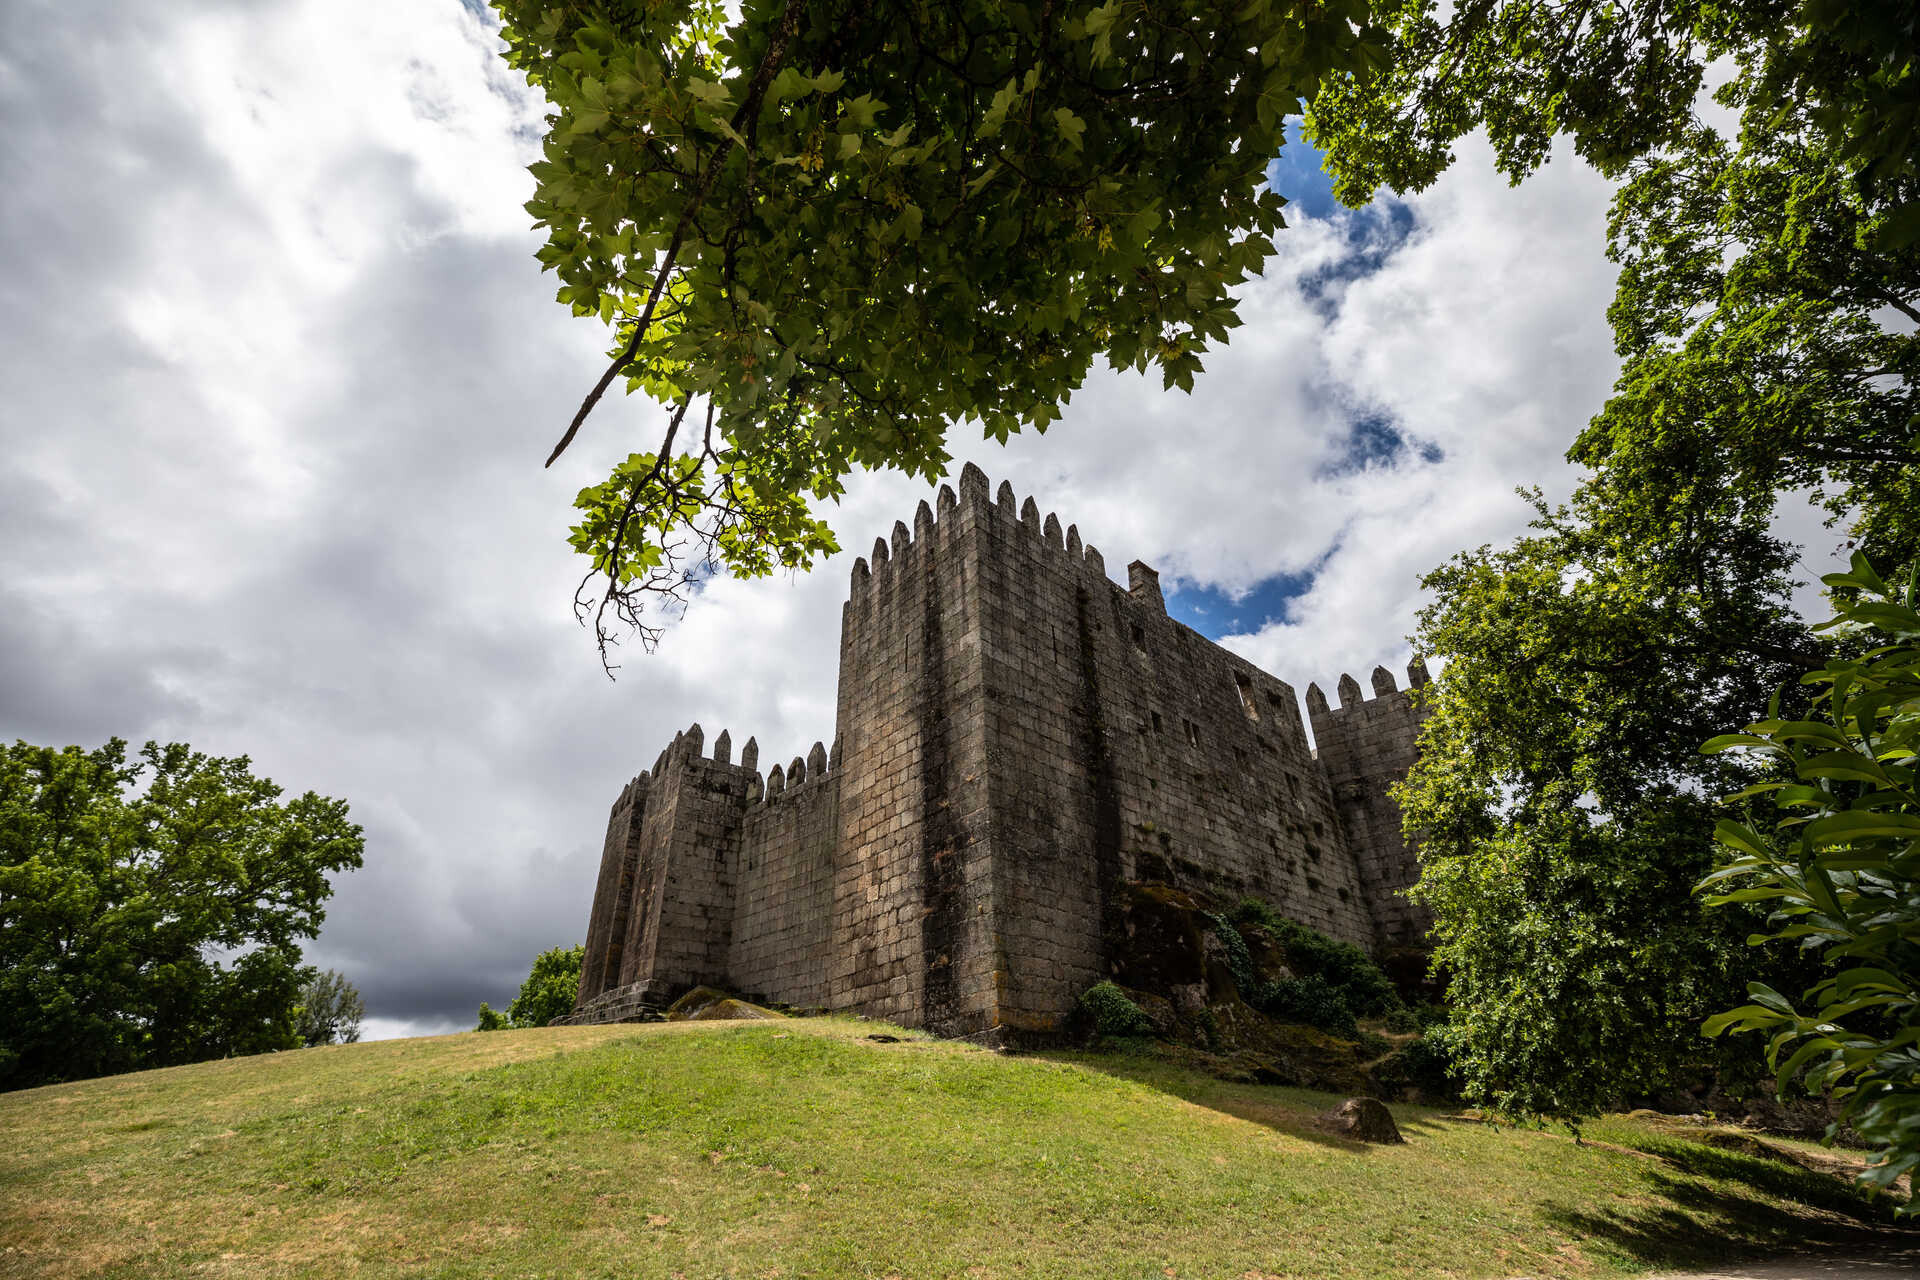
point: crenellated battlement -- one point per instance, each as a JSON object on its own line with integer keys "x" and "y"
{"x": 686, "y": 752}
{"x": 1351, "y": 696}
{"x": 940, "y": 524}
{"x": 1016, "y": 736}
{"x": 785, "y": 781}
{"x": 1367, "y": 745}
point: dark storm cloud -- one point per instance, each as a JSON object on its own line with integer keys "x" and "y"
{"x": 365, "y": 586}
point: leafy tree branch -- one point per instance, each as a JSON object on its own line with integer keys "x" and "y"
{"x": 848, "y": 229}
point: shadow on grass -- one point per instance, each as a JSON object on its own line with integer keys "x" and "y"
{"x": 1704, "y": 1205}
{"x": 1693, "y": 1205}
{"x": 1284, "y": 1109}
{"x": 1687, "y": 1223}
{"x": 1773, "y": 1175}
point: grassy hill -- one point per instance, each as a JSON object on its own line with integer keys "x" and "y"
{"x": 803, "y": 1148}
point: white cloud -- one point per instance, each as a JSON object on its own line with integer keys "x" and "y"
{"x": 1485, "y": 334}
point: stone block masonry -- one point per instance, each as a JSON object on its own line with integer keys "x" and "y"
{"x": 1016, "y": 736}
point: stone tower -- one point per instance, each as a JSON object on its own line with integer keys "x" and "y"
{"x": 1017, "y": 736}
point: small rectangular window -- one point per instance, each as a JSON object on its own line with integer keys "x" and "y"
{"x": 1193, "y": 733}
{"x": 1245, "y": 687}
{"x": 1157, "y": 728}
{"x": 1139, "y": 637}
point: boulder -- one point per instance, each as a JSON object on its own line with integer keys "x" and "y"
{"x": 704, "y": 1004}
{"x": 1361, "y": 1120}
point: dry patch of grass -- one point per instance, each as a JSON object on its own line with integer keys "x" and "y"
{"x": 801, "y": 1148}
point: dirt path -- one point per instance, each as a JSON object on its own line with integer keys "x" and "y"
{"x": 1879, "y": 1264}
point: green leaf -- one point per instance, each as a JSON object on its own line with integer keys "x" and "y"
{"x": 1070, "y": 127}
{"x": 1846, "y": 828}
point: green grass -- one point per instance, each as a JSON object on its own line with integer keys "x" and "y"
{"x": 800, "y": 1148}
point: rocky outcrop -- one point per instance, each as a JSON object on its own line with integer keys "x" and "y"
{"x": 704, "y": 1004}
{"x": 1167, "y": 955}
{"x": 1361, "y": 1120}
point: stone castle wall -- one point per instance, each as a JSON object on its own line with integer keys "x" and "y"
{"x": 1367, "y": 745}
{"x": 779, "y": 948}
{"x": 1017, "y": 735}
{"x": 912, "y": 908}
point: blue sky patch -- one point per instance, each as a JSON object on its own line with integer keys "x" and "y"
{"x": 1296, "y": 174}
{"x": 1214, "y": 613}
{"x": 1373, "y": 440}
{"x": 1372, "y": 236}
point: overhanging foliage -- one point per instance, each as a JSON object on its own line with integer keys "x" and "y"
{"x": 830, "y": 232}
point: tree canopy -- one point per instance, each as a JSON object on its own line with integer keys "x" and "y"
{"x": 330, "y": 1010}
{"x": 1563, "y": 807}
{"x": 825, "y": 234}
{"x": 1624, "y": 79}
{"x": 1764, "y": 315}
{"x": 548, "y": 993}
{"x": 151, "y": 911}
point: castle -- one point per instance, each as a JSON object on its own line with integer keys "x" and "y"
{"x": 1017, "y": 737}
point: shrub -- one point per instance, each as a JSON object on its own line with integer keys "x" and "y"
{"x": 1374, "y": 1044}
{"x": 1416, "y": 1017}
{"x": 550, "y": 989}
{"x": 1113, "y": 1012}
{"x": 1363, "y": 986}
{"x": 548, "y": 992}
{"x": 1425, "y": 1064}
{"x": 1311, "y": 1000}
{"x": 1830, "y": 849}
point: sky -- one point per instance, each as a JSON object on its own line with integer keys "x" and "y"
{"x": 280, "y": 371}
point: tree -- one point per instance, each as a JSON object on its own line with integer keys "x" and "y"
{"x": 1622, "y": 77}
{"x": 1764, "y": 316}
{"x": 548, "y": 992}
{"x": 150, "y": 913}
{"x": 1562, "y": 805}
{"x": 1832, "y": 853}
{"x": 330, "y": 1010}
{"x": 1653, "y": 613}
{"x": 763, "y": 211}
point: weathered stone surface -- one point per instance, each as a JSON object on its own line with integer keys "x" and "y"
{"x": 1362, "y": 1120}
{"x": 704, "y": 1004}
{"x": 1156, "y": 942}
{"x": 1035, "y": 772}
